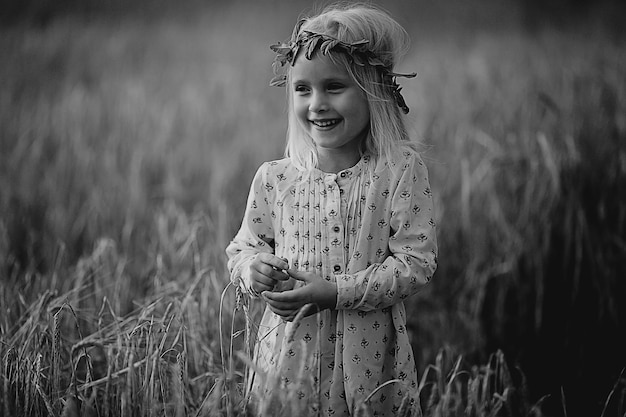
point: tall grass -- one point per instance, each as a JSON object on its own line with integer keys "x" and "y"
{"x": 69, "y": 356}
{"x": 126, "y": 150}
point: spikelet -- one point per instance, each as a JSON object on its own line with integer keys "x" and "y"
{"x": 178, "y": 371}
{"x": 238, "y": 298}
{"x": 127, "y": 396}
{"x": 24, "y": 378}
{"x": 40, "y": 391}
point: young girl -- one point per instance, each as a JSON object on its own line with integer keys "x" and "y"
{"x": 341, "y": 231}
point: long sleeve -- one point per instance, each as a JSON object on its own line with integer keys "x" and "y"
{"x": 410, "y": 259}
{"x": 256, "y": 234}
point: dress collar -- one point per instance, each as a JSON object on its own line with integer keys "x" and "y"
{"x": 347, "y": 173}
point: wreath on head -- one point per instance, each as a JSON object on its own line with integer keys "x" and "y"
{"x": 309, "y": 42}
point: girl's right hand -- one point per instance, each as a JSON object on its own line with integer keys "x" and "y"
{"x": 266, "y": 270}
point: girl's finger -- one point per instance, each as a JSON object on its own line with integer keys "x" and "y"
{"x": 259, "y": 287}
{"x": 283, "y": 306}
{"x": 279, "y": 275}
{"x": 304, "y": 276}
{"x": 273, "y": 261}
{"x": 290, "y": 315}
{"x": 298, "y": 295}
{"x": 263, "y": 280}
{"x": 269, "y": 298}
{"x": 270, "y": 272}
{"x": 287, "y": 314}
{"x": 299, "y": 275}
{"x": 263, "y": 269}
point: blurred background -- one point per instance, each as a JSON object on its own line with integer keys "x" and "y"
{"x": 127, "y": 120}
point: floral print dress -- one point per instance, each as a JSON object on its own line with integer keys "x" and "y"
{"x": 369, "y": 229}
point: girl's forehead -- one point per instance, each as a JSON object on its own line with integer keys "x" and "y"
{"x": 318, "y": 67}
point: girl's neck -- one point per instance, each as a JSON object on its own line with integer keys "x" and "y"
{"x": 332, "y": 161}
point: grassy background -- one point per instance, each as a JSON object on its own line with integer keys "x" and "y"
{"x": 129, "y": 135}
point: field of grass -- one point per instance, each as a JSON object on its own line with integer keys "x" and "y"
{"x": 127, "y": 145}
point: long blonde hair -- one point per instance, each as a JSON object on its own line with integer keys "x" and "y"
{"x": 388, "y": 41}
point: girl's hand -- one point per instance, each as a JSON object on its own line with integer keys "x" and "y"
{"x": 266, "y": 270}
{"x": 317, "y": 291}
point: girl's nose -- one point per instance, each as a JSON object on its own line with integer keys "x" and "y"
{"x": 318, "y": 103}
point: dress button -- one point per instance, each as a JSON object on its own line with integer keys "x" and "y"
{"x": 343, "y": 175}
{"x": 337, "y": 268}
{"x": 336, "y": 229}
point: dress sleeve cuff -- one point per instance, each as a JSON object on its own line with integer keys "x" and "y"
{"x": 346, "y": 291}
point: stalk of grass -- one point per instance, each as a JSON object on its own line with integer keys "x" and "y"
{"x": 127, "y": 396}
{"x": 405, "y": 409}
{"x": 28, "y": 378}
{"x": 7, "y": 377}
{"x": 40, "y": 390}
{"x": 106, "y": 403}
{"x": 56, "y": 357}
{"x": 178, "y": 385}
{"x": 131, "y": 343}
{"x": 620, "y": 410}
{"x": 220, "y": 317}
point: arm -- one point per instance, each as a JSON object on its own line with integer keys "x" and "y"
{"x": 251, "y": 260}
{"x": 412, "y": 245}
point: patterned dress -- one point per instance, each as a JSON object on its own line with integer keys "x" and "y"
{"x": 368, "y": 228}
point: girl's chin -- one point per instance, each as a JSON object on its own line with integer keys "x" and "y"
{"x": 326, "y": 144}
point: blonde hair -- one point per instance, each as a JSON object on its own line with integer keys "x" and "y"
{"x": 388, "y": 40}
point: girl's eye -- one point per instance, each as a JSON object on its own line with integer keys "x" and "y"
{"x": 301, "y": 89}
{"x": 335, "y": 87}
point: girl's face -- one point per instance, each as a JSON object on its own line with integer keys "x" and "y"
{"x": 329, "y": 105}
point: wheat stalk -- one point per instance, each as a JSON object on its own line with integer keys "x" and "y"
{"x": 127, "y": 395}
{"x": 8, "y": 365}
{"x": 39, "y": 389}
{"x": 178, "y": 370}
{"x": 405, "y": 406}
{"x": 613, "y": 390}
{"x": 56, "y": 354}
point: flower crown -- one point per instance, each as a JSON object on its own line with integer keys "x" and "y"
{"x": 358, "y": 52}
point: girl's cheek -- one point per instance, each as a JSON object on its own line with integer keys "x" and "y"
{"x": 301, "y": 112}
{"x": 299, "y": 106}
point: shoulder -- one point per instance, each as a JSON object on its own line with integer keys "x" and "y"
{"x": 277, "y": 167}
{"x": 404, "y": 160}
{"x": 277, "y": 171}
{"x": 408, "y": 159}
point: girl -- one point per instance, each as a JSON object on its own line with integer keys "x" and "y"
{"x": 341, "y": 231}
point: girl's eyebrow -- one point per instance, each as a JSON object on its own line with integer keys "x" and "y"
{"x": 299, "y": 81}
{"x": 323, "y": 80}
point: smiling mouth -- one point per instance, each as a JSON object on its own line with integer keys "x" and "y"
{"x": 325, "y": 123}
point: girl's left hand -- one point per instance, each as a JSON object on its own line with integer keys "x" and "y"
{"x": 316, "y": 291}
